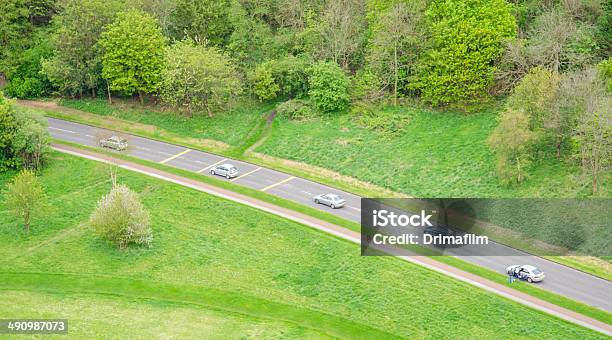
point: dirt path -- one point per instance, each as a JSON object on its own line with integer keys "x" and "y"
{"x": 352, "y": 236}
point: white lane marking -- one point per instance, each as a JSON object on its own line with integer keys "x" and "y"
{"x": 210, "y": 166}
{"x": 200, "y": 162}
{"x": 90, "y": 136}
{"x": 58, "y": 129}
{"x": 163, "y": 153}
{"x": 142, "y": 148}
{"x": 277, "y": 183}
{"x": 175, "y": 156}
{"x": 354, "y": 208}
{"x": 243, "y": 175}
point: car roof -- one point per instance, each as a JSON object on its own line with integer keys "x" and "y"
{"x": 333, "y": 196}
{"x": 529, "y": 267}
{"x": 227, "y": 165}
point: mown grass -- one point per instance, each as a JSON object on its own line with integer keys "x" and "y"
{"x": 216, "y": 252}
{"x": 97, "y": 316}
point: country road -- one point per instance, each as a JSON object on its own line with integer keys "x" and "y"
{"x": 560, "y": 279}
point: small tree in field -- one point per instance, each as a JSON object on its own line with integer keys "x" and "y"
{"x": 25, "y": 197}
{"x": 121, "y": 219}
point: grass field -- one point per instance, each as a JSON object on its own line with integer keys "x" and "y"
{"x": 246, "y": 270}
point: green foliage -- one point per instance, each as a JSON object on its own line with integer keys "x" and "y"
{"x": 536, "y": 96}
{"x": 605, "y": 69}
{"x": 291, "y": 75}
{"x": 205, "y": 20}
{"x": 13, "y": 25}
{"x": 468, "y": 37}
{"x": 121, "y": 219}
{"x": 385, "y": 121}
{"x": 329, "y": 87}
{"x": 263, "y": 83}
{"x": 25, "y": 77}
{"x": 296, "y": 109}
{"x": 198, "y": 78}
{"x": 133, "y": 53}
{"x": 75, "y": 66}
{"x": 31, "y": 140}
{"x": 24, "y": 139}
{"x": 511, "y": 141}
{"x": 25, "y": 197}
{"x": 252, "y": 40}
{"x": 8, "y": 130}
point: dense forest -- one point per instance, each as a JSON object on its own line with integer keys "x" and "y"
{"x": 549, "y": 61}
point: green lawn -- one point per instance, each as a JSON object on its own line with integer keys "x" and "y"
{"x": 99, "y": 316}
{"x": 246, "y": 270}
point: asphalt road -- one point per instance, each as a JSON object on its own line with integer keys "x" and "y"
{"x": 560, "y": 279}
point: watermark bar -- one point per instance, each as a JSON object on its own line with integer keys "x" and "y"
{"x": 33, "y": 326}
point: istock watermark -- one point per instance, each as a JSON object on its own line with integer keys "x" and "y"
{"x": 486, "y": 227}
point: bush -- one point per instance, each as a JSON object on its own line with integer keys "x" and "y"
{"x": 296, "y": 109}
{"x": 24, "y": 139}
{"x": 121, "y": 219}
{"x": 387, "y": 121}
{"x": 329, "y": 87}
{"x": 263, "y": 83}
{"x": 291, "y": 74}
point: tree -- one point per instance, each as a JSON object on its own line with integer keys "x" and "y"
{"x": 342, "y": 31}
{"x": 205, "y": 20}
{"x": 24, "y": 139}
{"x": 198, "y": 78}
{"x": 397, "y": 39}
{"x": 121, "y": 219}
{"x": 593, "y": 129}
{"x": 75, "y": 66}
{"x": 511, "y": 141}
{"x": 262, "y": 80}
{"x": 133, "y": 53}
{"x": 468, "y": 38}
{"x": 329, "y": 87}
{"x": 559, "y": 43}
{"x": 25, "y": 197}
{"x": 31, "y": 140}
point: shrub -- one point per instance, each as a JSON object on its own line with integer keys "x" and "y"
{"x": 329, "y": 87}
{"x": 24, "y": 139}
{"x": 291, "y": 74}
{"x": 25, "y": 197}
{"x": 295, "y": 109}
{"x": 121, "y": 219}
{"x": 264, "y": 85}
{"x": 386, "y": 121}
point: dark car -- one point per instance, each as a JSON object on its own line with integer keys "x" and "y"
{"x": 439, "y": 230}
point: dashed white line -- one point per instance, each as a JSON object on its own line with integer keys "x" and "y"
{"x": 58, "y": 129}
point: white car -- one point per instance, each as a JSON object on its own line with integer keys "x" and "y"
{"x": 114, "y": 142}
{"x": 225, "y": 170}
{"x": 526, "y": 272}
{"x": 331, "y": 200}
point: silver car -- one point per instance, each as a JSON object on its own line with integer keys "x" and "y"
{"x": 114, "y": 142}
{"x": 526, "y": 272}
{"x": 332, "y": 200}
{"x": 226, "y": 170}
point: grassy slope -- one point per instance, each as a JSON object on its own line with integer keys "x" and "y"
{"x": 203, "y": 244}
{"x": 98, "y": 316}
